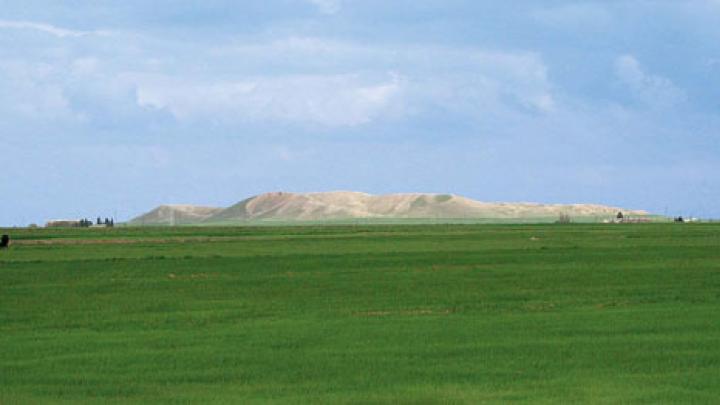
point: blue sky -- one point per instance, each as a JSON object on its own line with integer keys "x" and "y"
{"x": 114, "y": 107}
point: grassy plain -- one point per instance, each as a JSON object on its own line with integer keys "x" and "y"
{"x": 348, "y": 314}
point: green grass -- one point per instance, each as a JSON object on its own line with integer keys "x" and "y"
{"x": 358, "y": 314}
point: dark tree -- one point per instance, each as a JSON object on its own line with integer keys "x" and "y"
{"x": 620, "y": 215}
{"x": 4, "y": 241}
{"x": 563, "y": 219}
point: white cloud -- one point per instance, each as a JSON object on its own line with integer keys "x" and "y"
{"x": 469, "y": 81}
{"x": 47, "y": 28}
{"x": 454, "y": 76}
{"x": 30, "y": 91}
{"x": 326, "y": 100}
{"x": 653, "y": 90}
{"x": 293, "y": 80}
{"x": 327, "y": 6}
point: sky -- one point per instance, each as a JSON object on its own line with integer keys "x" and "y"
{"x": 110, "y": 108}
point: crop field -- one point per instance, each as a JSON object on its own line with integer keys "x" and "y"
{"x": 617, "y": 313}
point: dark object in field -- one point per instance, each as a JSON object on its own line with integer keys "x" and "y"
{"x": 620, "y": 215}
{"x": 679, "y": 219}
{"x": 4, "y": 242}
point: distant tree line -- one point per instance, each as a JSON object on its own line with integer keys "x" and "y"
{"x": 108, "y": 222}
{"x": 564, "y": 219}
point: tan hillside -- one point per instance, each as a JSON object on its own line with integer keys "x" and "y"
{"x": 175, "y": 215}
{"x": 348, "y": 205}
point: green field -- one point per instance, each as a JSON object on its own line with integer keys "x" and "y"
{"x": 358, "y": 314}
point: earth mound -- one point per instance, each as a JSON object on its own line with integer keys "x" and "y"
{"x": 349, "y": 205}
{"x": 339, "y": 205}
{"x": 175, "y": 215}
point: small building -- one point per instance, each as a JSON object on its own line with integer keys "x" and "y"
{"x": 638, "y": 220}
{"x": 64, "y": 223}
{"x": 629, "y": 220}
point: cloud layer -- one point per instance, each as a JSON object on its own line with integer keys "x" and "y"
{"x": 321, "y": 84}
